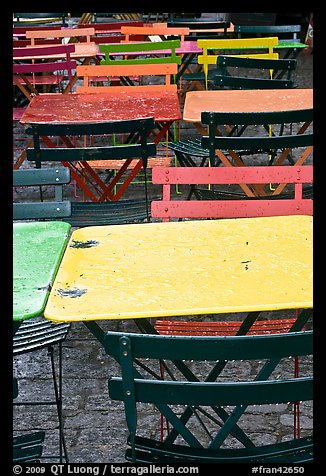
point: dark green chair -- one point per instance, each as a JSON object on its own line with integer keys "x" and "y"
{"x": 202, "y": 389}
{"x": 56, "y": 208}
{"x": 235, "y": 72}
{"x": 116, "y": 140}
{"x": 289, "y": 36}
{"x": 284, "y": 137}
{"x": 253, "y": 73}
{"x": 27, "y": 448}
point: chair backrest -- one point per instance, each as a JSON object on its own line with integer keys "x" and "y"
{"x": 139, "y": 128}
{"x": 204, "y": 28}
{"x": 47, "y": 210}
{"x": 168, "y": 207}
{"x": 159, "y": 52}
{"x": 249, "y": 73}
{"x": 246, "y": 47}
{"x": 80, "y": 34}
{"x": 160, "y": 70}
{"x": 26, "y": 64}
{"x": 189, "y": 388}
{"x": 110, "y": 32}
{"x": 40, "y": 18}
{"x": 283, "y": 32}
{"x": 241, "y": 137}
{"x": 155, "y": 30}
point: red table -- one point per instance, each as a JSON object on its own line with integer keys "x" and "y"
{"x": 123, "y": 105}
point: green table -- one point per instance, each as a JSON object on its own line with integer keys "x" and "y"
{"x": 37, "y": 251}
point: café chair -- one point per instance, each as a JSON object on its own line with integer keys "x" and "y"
{"x": 288, "y": 36}
{"x": 35, "y": 69}
{"x": 189, "y": 402}
{"x": 230, "y": 205}
{"x": 40, "y": 18}
{"x": 38, "y": 333}
{"x": 284, "y": 138}
{"x": 236, "y": 72}
{"x": 253, "y": 73}
{"x": 83, "y": 157}
{"x": 55, "y": 72}
{"x": 241, "y": 47}
{"x": 27, "y": 448}
{"x": 56, "y": 208}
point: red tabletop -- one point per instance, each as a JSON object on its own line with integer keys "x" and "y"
{"x": 65, "y": 108}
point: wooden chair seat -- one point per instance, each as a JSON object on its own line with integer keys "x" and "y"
{"x": 222, "y": 328}
{"x": 149, "y": 451}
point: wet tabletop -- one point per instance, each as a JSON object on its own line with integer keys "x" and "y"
{"x": 245, "y": 100}
{"x": 67, "y": 108}
{"x": 37, "y": 252}
{"x": 184, "y": 268}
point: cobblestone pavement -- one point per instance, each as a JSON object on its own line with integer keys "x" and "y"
{"x": 95, "y": 428}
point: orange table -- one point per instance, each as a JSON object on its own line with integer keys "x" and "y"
{"x": 244, "y": 100}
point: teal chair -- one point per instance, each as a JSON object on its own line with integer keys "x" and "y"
{"x": 196, "y": 391}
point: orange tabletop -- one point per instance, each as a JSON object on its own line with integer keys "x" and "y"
{"x": 245, "y": 100}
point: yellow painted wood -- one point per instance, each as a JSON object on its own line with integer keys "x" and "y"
{"x": 182, "y": 268}
{"x": 246, "y": 44}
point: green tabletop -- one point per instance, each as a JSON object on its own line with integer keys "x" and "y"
{"x": 37, "y": 253}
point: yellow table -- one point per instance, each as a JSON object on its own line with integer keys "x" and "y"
{"x": 150, "y": 270}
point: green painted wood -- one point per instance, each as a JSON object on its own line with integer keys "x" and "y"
{"x": 37, "y": 251}
{"x": 159, "y": 47}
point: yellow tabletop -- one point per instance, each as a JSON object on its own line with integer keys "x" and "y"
{"x": 182, "y": 268}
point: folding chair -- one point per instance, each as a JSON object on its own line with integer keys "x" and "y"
{"x": 284, "y": 138}
{"x": 27, "y": 448}
{"x": 35, "y": 69}
{"x": 231, "y": 206}
{"x": 250, "y": 73}
{"x": 131, "y": 141}
{"x": 38, "y": 333}
{"x": 203, "y": 394}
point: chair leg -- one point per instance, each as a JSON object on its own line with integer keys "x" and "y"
{"x": 296, "y": 405}
{"x": 58, "y": 398}
{"x": 161, "y": 415}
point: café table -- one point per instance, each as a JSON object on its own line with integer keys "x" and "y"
{"x": 37, "y": 251}
{"x": 197, "y": 267}
{"x": 128, "y": 104}
{"x": 244, "y": 100}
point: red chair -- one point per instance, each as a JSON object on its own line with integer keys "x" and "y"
{"x": 35, "y": 70}
{"x": 168, "y": 208}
